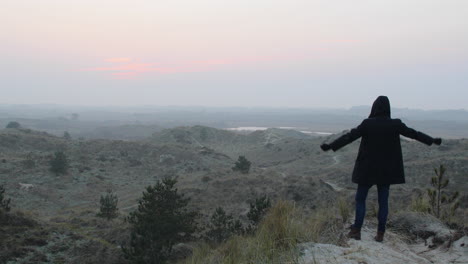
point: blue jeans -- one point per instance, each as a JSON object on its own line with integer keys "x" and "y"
{"x": 361, "y": 195}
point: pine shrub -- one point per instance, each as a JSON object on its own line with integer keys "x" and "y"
{"x": 242, "y": 164}
{"x": 66, "y": 135}
{"x": 59, "y": 163}
{"x": 108, "y": 207}
{"x": 222, "y": 226}
{"x": 13, "y": 124}
{"x": 257, "y": 211}
{"x": 161, "y": 220}
{"x": 439, "y": 200}
{"x": 4, "y": 202}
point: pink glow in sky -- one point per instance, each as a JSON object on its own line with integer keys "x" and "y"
{"x": 284, "y": 53}
{"x": 127, "y": 68}
{"x": 121, "y": 59}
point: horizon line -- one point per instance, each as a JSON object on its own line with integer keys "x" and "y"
{"x": 228, "y": 106}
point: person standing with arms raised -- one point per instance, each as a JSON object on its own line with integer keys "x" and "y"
{"x": 379, "y": 161}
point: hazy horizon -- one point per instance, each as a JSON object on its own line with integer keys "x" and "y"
{"x": 208, "y": 53}
{"x": 234, "y": 107}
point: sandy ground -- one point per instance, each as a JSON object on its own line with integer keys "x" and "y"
{"x": 394, "y": 250}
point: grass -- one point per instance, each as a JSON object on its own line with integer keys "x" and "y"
{"x": 420, "y": 204}
{"x": 459, "y": 220}
{"x": 344, "y": 208}
{"x": 276, "y": 239}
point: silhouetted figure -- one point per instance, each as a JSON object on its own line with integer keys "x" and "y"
{"x": 379, "y": 161}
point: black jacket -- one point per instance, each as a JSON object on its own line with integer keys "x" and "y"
{"x": 380, "y": 160}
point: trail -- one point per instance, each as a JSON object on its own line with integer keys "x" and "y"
{"x": 271, "y": 138}
{"x": 196, "y": 141}
{"x": 336, "y": 160}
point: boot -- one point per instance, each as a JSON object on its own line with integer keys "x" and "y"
{"x": 355, "y": 233}
{"x": 379, "y": 236}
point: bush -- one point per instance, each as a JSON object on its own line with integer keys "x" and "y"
{"x": 438, "y": 199}
{"x": 59, "y": 163}
{"x": 66, "y": 135}
{"x": 257, "y": 210}
{"x": 222, "y": 226}
{"x": 4, "y": 203}
{"x": 242, "y": 165}
{"x": 108, "y": 207}
{"x": 161, "y": 221}
{"x": 13, "y": 124}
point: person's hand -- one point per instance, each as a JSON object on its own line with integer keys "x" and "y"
{"x": 437, "y": 141}
{"x": 325, "y": 147}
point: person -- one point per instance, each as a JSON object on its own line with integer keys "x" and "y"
{"x": 379, "y": 160}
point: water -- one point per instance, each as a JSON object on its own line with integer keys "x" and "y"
{"x": 254, "y": 128}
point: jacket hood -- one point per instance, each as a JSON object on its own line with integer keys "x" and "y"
{"x": 381, "y": 107}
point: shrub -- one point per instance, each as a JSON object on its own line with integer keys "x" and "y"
{"x": 222, "y": 226}
{"x": 13, "y": 124}
{"x": 108, "y": 207}
{"x": 206, "y": 179}
{"x": 66, "y": 135}
{"x": 59, "y": 163}
{"x": 258, "y": 209}
{"x": 161, "y": 221}
{"x": 242, "y": 165}
{"x": 4, "y": 203}
{"x": 438, "y": 199}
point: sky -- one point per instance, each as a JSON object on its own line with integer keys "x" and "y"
{"x": 252, "y": 53}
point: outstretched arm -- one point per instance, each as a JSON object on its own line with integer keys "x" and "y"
{"x": 344, "y": 140}
{"x": 419, "y": 136}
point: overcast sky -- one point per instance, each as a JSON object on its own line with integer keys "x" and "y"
{"x": 292, "y": 53}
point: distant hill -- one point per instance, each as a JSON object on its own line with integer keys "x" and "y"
{"x": 459, "y": 115}
{"x": 136, "y": 123}
{"x": 228, "y": 142}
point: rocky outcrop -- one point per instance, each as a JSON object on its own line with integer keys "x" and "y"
{"x": 423, "y": 226}
{"x": 394, "y": 250}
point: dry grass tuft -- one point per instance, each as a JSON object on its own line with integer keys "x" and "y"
{"x": 420, "y": 204}
{"x": 344, "y": 208}
{"x": 277, "y": 238}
